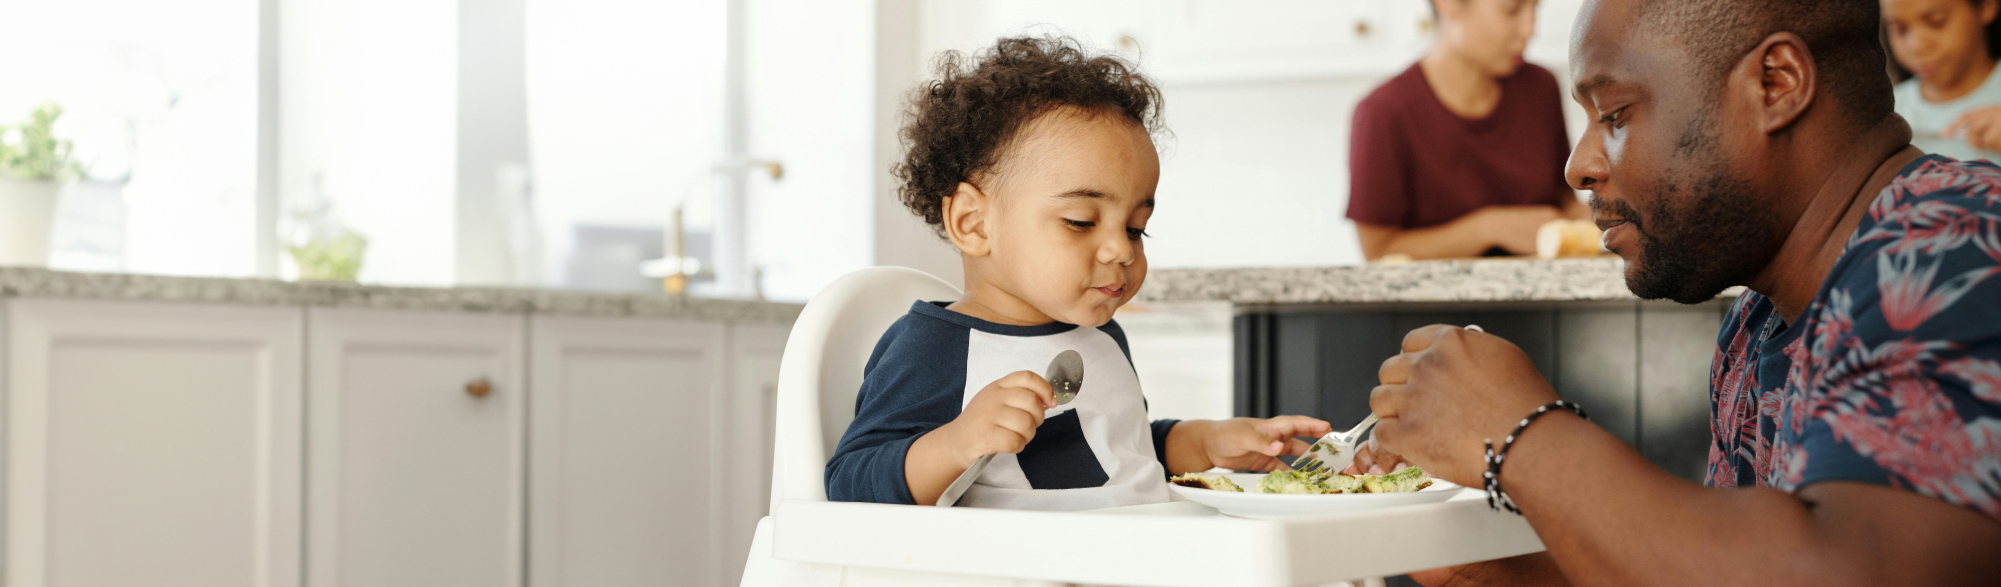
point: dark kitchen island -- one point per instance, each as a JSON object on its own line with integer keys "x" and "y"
{"x": 1308, "y": 340}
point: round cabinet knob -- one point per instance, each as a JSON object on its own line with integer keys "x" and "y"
{"x": 1362, "y": 28}
{"x": 479, "y": 387}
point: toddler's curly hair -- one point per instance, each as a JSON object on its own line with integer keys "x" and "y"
{"x": 959, "y": 123}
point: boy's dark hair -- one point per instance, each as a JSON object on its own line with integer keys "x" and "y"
{"x": 958, "y": 124}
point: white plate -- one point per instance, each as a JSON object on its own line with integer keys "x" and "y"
{"x": 1267, "y": 506}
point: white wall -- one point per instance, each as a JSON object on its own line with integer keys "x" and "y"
{"x": 1259, "y": 98}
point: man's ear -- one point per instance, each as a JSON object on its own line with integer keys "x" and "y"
{"x": 1787, "y": 80}
{"x": 967, "y": 211}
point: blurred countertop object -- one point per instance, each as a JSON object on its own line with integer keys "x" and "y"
{"x": 17, "y": 282}
{"x": 1592, "y": 279}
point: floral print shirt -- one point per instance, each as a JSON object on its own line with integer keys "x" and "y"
{"x": 1893, "y": 375}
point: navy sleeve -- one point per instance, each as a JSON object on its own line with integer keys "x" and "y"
{"x": 1160, "y": 430}
{"x": 914, "y": 382}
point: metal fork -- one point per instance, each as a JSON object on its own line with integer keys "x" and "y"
{"x": 1335, "y": 451}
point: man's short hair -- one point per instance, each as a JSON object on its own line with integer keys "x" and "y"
{"x": 1842, "y": 35}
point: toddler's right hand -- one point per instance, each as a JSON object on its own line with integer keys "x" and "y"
{"x": 1002, "y": 417}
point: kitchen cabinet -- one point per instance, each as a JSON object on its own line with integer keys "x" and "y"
{"x": 755, "y": 351}
{"x": 630, "y": 423}
{"x": 321, "y": 435}
{"x": 152, "y": 444}
{"x": 417, "y": 448}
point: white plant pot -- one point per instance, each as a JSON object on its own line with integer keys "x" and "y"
{"x": 27, "y": 219}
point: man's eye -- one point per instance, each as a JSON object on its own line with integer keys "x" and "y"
{"x": 1080, "y": 224}
{"x": 1615, "y": 119}
{"x": 1136, "y": 233}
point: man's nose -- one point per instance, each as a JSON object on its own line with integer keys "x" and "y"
{"x": 1588, "y": 167}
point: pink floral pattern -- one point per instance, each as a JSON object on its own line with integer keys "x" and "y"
{"x": 1893, "y": 375}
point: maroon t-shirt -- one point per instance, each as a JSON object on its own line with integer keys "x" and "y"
{"x": 1414, "y": 164}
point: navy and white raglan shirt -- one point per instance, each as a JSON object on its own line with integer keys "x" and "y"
{"x": 1097, "y": 451}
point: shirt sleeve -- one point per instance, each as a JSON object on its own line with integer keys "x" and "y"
{"x": 1379, "y": 191}
{"x": 1903, "y": 371}
{"x": 914, "y": 383}
{"x": 1160, "y": 430}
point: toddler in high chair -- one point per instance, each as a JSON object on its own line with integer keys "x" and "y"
{"x": 1036, "y": 161}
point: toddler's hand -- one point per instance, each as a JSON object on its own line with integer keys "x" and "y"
{"x": 1002, "y": 418}
{"x": 1254, "y": 445}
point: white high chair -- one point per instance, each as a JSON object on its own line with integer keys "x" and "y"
{"x": 808, "y": 541}
{"x": 817, "y": 381}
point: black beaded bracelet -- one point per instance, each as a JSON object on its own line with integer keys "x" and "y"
{"x": 1495, "y": 497}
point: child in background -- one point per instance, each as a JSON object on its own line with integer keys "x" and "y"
{"x": 1037, "y": 162}
{"x": 1946, "y": 49}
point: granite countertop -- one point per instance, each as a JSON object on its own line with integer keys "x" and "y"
{"x": 1483, "y": 280}
{"x": 16, "y": 282}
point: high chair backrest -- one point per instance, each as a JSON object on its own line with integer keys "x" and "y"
{"x": 822, "y": 369}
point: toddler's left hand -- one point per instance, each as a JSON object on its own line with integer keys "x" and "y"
{"x": 1253, "y": 444}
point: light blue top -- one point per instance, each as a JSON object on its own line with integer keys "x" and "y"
{"x": 1928, "y": 119}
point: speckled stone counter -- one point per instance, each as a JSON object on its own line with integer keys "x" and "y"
{"x": 38, "y": 283}
{"x": 1497, "y": 280}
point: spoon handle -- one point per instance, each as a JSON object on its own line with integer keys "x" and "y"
{"x": 964, "y": 482}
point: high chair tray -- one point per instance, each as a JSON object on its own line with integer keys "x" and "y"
{"x": 1169, "y": 544}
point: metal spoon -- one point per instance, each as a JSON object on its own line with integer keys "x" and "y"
{"x": 1066, "y": 378}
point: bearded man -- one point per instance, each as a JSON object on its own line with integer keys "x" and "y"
{"x": 1856, "y": 389}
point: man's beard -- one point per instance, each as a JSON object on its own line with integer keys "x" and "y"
{"x": 1694, "y": 245}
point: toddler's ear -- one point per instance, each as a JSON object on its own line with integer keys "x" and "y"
{"x": 966, "y": 214}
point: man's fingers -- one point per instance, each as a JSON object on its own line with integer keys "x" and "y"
{"x": 1387, "y": 432}
{"x": 1383, "y": 401}
{"x": 1030, "y": 381}
{"x": 1294, "y": 446}
{"x": 1395, "y": 370}
{"x": 1424, "y": 337}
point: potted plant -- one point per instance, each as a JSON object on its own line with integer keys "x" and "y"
{"x": 33, "y": 165}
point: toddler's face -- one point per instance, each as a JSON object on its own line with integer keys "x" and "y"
{"x": 1072, "y": 196}
{"x": 1937, "y": 40}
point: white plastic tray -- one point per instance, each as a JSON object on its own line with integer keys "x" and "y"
{"x": 1172, "y": 544}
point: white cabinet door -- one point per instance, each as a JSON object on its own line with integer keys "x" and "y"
{"x": 415, "y": 475}
{"x": 755, "y": 350}
{"x": 152, "y": 444}
{"x": 624, "y": 465}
